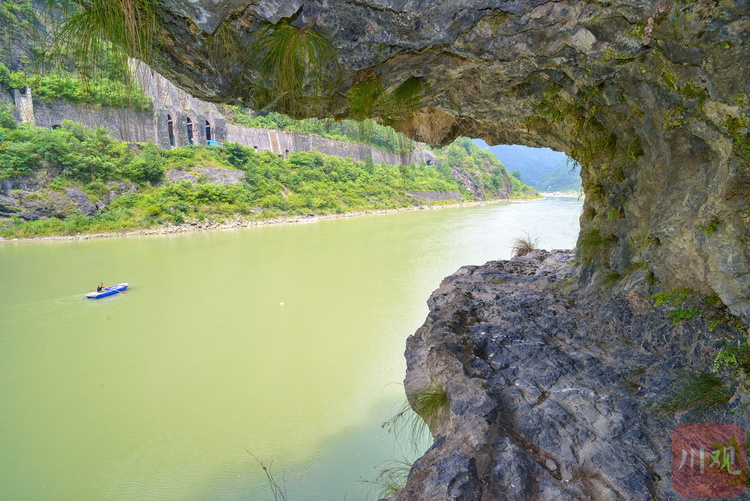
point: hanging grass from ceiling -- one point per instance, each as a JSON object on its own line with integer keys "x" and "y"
{"x": 295, "y": 66}
{"x": 131, "y": 25}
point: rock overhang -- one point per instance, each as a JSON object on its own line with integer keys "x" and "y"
{"x": 650, "y": 97}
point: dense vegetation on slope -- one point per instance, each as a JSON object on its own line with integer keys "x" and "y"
{"x": 542, "y": 168}
{"x": 490, "y": 176}
{"x": 127, "y": 183}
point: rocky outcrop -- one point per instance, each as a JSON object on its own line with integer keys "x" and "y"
{"x": 201, "y": 175}
{"x": 651, "y": 98}
{"x": 468, "y": 181}
{"x": 552, "y": 394}
{"x": 30, "y": 199}
{"x": 42, "y": 204}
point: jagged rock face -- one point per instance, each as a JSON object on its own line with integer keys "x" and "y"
{"x": 551, "y": 395}
{"x": 651, "y": 97}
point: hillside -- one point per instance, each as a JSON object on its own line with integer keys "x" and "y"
{"x": 543, "y": 168}
{"x": 78, "y": 180}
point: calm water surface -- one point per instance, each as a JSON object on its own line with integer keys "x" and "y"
{"x": 283, "y": 341}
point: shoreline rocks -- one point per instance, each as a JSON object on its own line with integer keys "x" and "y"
{"x": 554, "y": 393}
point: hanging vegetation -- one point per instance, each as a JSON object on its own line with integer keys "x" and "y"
{"x": 295, "y": 66}
{"x": 131, "y": 25}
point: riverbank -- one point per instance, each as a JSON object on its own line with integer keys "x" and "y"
{"x": 239, "y": 222}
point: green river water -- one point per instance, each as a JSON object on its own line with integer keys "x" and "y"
{"x": 281, "y": 341}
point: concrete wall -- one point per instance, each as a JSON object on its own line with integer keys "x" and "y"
{"x": 125, "y": 125}
{"x": 180, "y": 119}
{"x": 283, "y": 143}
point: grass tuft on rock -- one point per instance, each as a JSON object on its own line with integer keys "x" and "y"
{"x": 524, "y": 245}
{"x": 700, "y": 394}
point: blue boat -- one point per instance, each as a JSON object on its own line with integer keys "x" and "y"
{"x": 108, "y": 291}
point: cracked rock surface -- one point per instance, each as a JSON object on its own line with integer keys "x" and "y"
{"x": 554, "y": 395}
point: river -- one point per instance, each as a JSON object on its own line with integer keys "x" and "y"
{"x": 281, "y": 342}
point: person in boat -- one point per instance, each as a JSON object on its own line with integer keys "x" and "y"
{"x": 100, "y": 287}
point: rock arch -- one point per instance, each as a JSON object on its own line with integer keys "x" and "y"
{"x": 651, "y": 98}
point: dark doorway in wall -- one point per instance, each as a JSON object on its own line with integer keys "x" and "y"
{"x": 55, "y": 127}
{"x": 170, "y": 129}
{"x": 208, "y": 131}
{"x": 189, "y": 129}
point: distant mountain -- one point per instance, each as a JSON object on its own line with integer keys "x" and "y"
{"x": 544, "y": 169}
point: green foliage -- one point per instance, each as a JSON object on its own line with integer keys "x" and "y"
{"x": 677, "y": 297}
{"x": 710, "y": 226}
{"x": 592, "y": 243}
{"x": 295, "y": 66}
{"x": 674, "y": 117}
{"x": 592, "y": 143}
{"x": 364, "y": 97}
{"x": 403, "y": 102}
{"x": 431, "y": 403}
{"x": 79, "y": 65}
{"x": 643, "y": 241}
{"x": 86, "y": 29}
{"x": 484, "y": 167}
{"x": 391, "y": 478}
{"x": 699, "y": 393}
{"x": 611, "y": 277}
{"x": 612, "y": 214}
{"x": 74, "y": 155}
{"x": 424, "y": 408}
{"x": 737, "y": 128}
{"x": 148, "y": 167}
{"x": 688, "y": 303}
{"x": 75, "y": 152}
{"x": 99, "y": 90}
{"x": 732, "y": 358}
{"x": 346, "y": 130}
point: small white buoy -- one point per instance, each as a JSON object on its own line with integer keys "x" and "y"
{"x": 281, "y": 304}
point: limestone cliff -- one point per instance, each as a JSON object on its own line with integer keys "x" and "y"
{"x": 650, "y": 97}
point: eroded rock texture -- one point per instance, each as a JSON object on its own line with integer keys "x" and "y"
{"x": 552, "y": 395}
{"x": 650, "y": 96}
